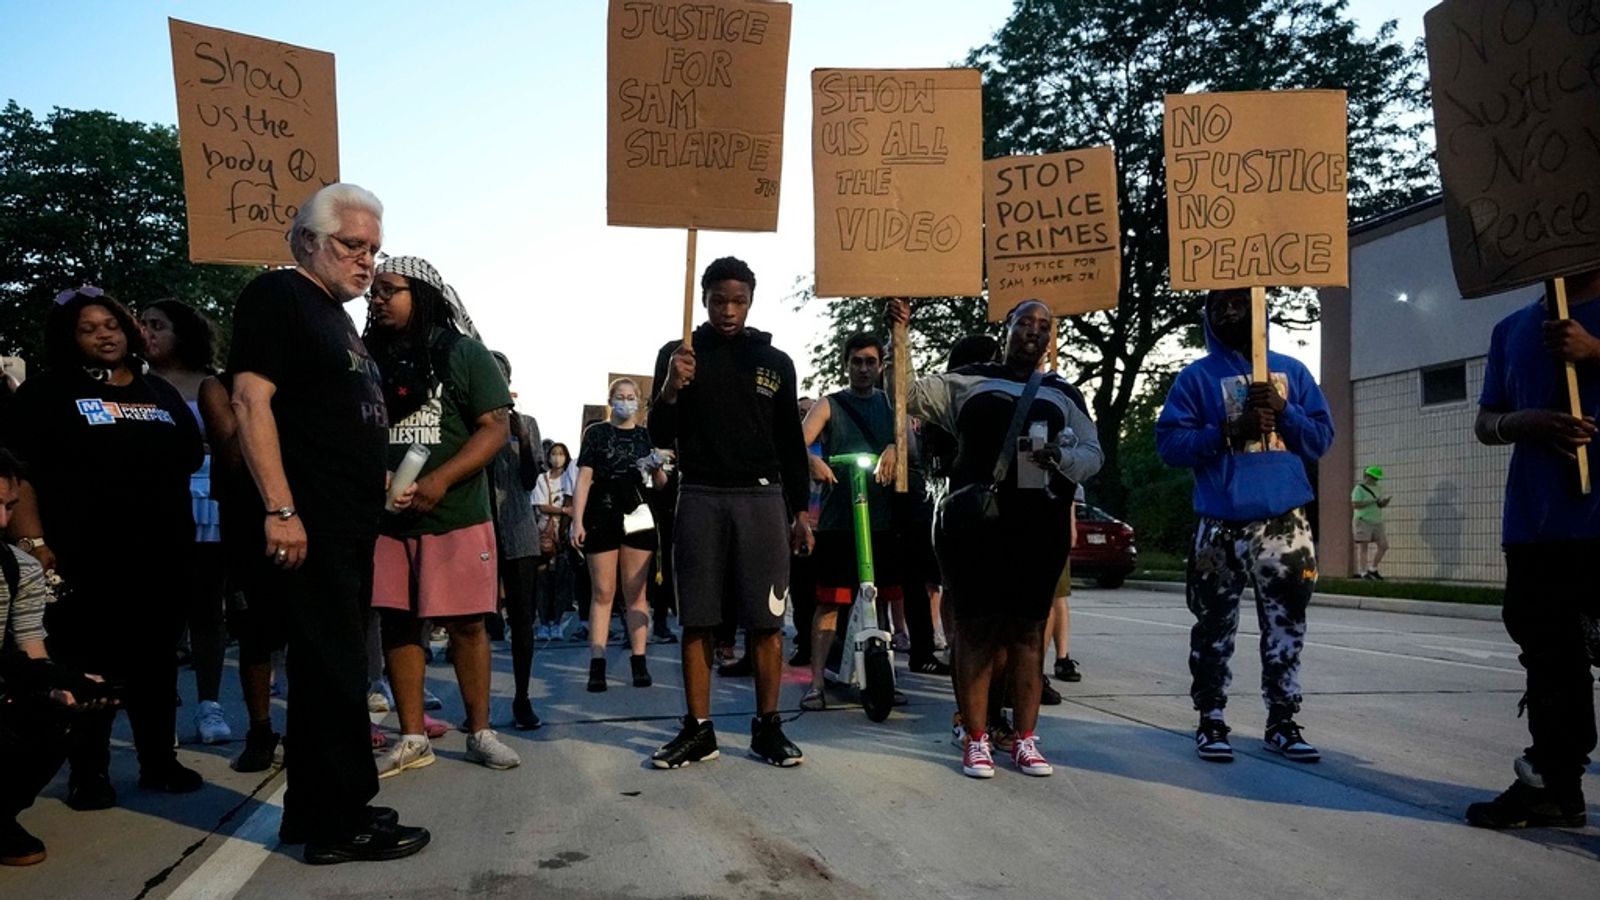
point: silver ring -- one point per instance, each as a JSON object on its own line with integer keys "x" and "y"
{"x": 282, "y": 554}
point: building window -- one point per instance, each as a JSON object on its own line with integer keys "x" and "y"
{"x": 1444, "y": 384}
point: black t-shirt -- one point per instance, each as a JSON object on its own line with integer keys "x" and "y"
{"x": 613, "y": 453}
{"x": 111, "y": 468}
{"x": 332, "y": 425}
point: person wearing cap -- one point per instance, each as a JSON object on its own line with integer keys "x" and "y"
{"x": 1367, "y": 523}
{"x": 312, "y": 426}
{"x": 1247, "y": 443}
{"x": 436, "y": 556}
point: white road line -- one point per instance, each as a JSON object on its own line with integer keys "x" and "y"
{"x": 1362, "y": 650}
{"x": 226, "y": 871}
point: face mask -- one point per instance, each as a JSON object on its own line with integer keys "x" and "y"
{"x": 558, "y": 461}
{"x": 624, "y": 409}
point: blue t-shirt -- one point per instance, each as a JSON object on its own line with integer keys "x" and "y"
{"x": 1542, "y": 499}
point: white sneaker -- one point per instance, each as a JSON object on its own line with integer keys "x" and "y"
{"x": 209, "y": 722}
{"x": 431, "y": 700}
{"x": 379, "y": 699}
{"x": 486, "y": 749}
{"x": 408, "y": 753}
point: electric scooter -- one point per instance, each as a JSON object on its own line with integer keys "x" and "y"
{"x": 867, "y": 660}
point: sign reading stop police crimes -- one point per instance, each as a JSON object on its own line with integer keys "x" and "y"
{"x": 897, "y": 160}
{"x": 1256, "y": 191}
{"x": 258, "y": 132}
{"x": 1051, "y": 227}
{"x": 1516, "y": 107}
{"x": 694, "y": 113}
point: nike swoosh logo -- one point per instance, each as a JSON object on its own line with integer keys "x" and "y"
{"x": 775, "y": 604}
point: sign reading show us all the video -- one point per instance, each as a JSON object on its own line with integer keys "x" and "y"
{"x": 897, "y": 176}
{"x": 258, "y": 133}
{"x": 1516, "y": 110}
{"x": 694, "y": 113}
{"x": 1256, "y": 191}
{"x": 1050, "y": 223}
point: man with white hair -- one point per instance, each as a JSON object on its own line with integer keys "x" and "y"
{"x": 314, "y": 430}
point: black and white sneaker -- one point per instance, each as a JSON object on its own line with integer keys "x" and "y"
{"x": 697, "y": 742}
{"x": 769, "y": 744}
{"x": 1285, "y": 739}
{"x": 1211, "y": 741}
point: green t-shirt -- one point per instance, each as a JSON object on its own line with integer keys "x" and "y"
{"x": 472, "y": 385}
{"x": 1372, "y": 515}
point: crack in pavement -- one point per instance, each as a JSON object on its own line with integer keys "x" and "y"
{"x": 161, "y": 877}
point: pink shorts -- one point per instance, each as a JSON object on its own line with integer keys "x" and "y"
{"x": 437, "y": 575}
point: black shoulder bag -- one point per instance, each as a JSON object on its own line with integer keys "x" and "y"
{"x": 974, "y": 509}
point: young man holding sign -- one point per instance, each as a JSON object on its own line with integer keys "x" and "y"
{"x": 1551, "y": 536}
{"x": 1247, "y": 444}
{"x": 727, "y": 405}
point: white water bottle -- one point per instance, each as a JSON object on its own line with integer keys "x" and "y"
{"x": 406, "y": 473}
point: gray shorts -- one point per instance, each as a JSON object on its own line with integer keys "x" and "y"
{"x": 730, "y": 551}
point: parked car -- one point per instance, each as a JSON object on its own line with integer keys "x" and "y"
{"x": 1104, "y": 551}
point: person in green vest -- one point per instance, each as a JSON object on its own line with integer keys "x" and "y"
{"x": 1367, "y": 523}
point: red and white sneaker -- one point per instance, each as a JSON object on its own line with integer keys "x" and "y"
{"x": 1025, "y": 753}
{"x": 977, "y": 759}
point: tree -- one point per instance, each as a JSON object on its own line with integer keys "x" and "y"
{"x": 88, "y": 197}
{"x": 1061, "y": 74}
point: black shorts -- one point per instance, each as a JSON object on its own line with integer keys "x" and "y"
{"x": 1013, "y": 568}
{"x": 836, "y": 571}
{"x": 602, "y": 532}
{"x": 731, "y": 544}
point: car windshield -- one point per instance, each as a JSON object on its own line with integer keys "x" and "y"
{"x": 1087, "y": 513}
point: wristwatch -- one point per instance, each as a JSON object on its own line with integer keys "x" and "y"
{"x": 285, "y": 513}
{"x": 28, "y": 545}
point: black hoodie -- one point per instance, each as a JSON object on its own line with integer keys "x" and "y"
{"x": 738, "y": 423}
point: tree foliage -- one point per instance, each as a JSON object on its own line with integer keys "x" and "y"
{"x": 1061, "y": 74}
{"x": 88, "y": 197}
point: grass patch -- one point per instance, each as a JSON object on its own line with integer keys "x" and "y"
{"x": 1159, "y": 566}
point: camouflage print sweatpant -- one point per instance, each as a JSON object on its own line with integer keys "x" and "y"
{"x": 1276, "y": 556}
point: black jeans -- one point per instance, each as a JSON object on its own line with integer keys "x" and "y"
{"x": 33, "y": 744}
{"x": 803, "y": 594}
{"x": 120, "y": 626}
{"x": 521, "y": 580}
{"x": 1549, "y": 588}
{"x": 328, "y": 749}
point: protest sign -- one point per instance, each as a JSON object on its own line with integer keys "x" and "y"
{"x": 592, "y": 413}
{"x": 1050, "y": 225}
{"x": 258, "y": 133}
{"x": 1516, "y": 108}
{"x": 694, "y": 113}
{"x": 897, "y": 178}
{"x": 1256, "y": 193}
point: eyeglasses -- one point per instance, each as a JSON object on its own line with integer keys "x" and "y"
{"x": 87, "y": 290}
{"x": 383, "y": 291}
{"x": 354, "y": 249}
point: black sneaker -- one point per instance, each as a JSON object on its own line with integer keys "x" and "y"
{"x": 171, "y": 778}
{"x": 800, "y": 659}
{"x": 697, "y": 742}
{"x": 1211, "y": 741}
{"x": 371, "y": 844}
{"x": 523, "y": 716}
{"x": 260, "y": 745}
{"x": 1285, "y": 739}
{"x": 641, "y": 672}
{"x": 930, "y": 666}
{"x": 768, "y": 742}
{"x": 290, "y": 831}
{"x": 18, "y": 847}
{"x": 1067, "y": 670}
{"x": 88, "y": 792}
{"x": 743, "y": 667}
{"x": 597, "y": 675}
{"x": 1375, "y": 575}
{"x": 1048, "y": 696}
{"x": 1522, "y": 806}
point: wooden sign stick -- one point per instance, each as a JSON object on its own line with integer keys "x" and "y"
{"x": 1258, "y": 335}
{"x": 688, "y": 291}
{"x": 1575, "y": 405}
{"x": 902, "y": 384}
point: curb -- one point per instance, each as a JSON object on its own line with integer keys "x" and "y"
{"x": 1477, "y": 611}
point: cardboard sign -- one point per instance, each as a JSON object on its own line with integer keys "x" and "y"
{"x": 897, "y": 175}
{"x": 646, "y": 384}
{"x": 1256, "y": 193}
{"x": 258, "y": 131}
{"x": 694, "y": 113}
{"x": 1050, "y": 226}
{"x": 1516, "y": 111}
{"x": 591, "y": 414}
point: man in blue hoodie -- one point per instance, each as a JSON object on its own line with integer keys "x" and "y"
{"x": 1248, "y": 444}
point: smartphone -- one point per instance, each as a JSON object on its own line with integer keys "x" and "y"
{"x": 1030, "y": 475}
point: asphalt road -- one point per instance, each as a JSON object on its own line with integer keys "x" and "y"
{"x": 1416, "y": 717}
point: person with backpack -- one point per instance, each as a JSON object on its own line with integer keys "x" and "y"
{"x": 436, "y": 558}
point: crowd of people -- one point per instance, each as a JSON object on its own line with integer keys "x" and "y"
{"x": 338, "y": 498}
